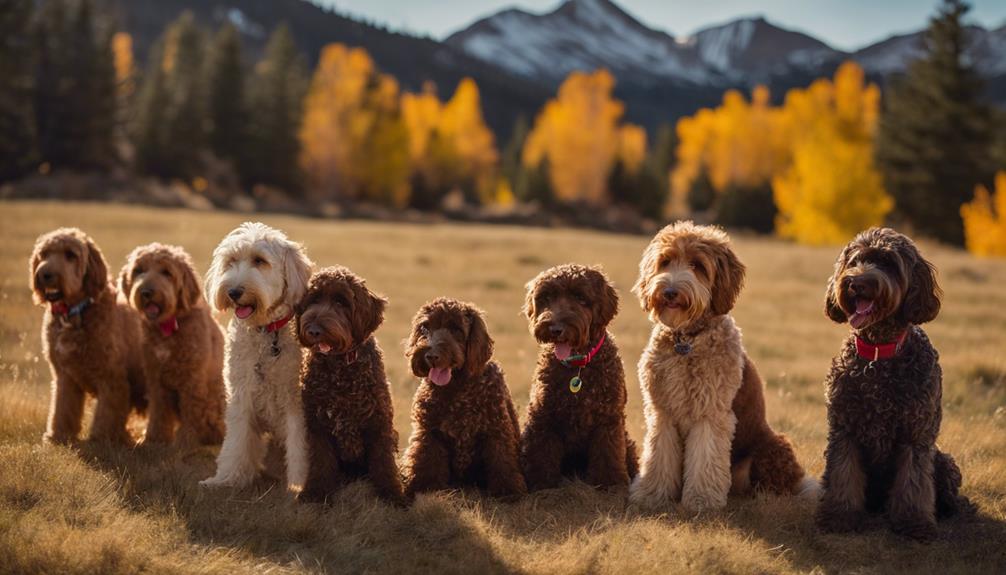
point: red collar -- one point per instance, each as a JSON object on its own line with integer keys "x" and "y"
{"x": 583, "y": 360}
{"x": 278, "y": 324}
{"x": 871, "y": 352}
{"x": 168, "y": 326}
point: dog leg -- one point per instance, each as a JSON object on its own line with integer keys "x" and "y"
{"x": 112, "y": 410}
{"x": 659, "y": 479}
{"x": 541, "y": 455}
{"x": 323, "y": 474}
{"x": 161, "y": 416}
{"x": 243, "y": 450}
{"x": 947, "y": 481}
{"x": 606, "y": 457}
{"x": 503, "y": 473}
{"x": 381, "y": 466}
{"x": 200, "y": 420}
{"x": 295, "y": 443}
{"x": 66, "y": 409}
{"x": 428, "y": 465}
{"x": 844, "y": 482}
{"x": 912, "y": 502}
{"x": 707, "y": 475}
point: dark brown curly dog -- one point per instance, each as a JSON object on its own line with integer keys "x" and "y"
{"x": 347, "y": 401}
{"x": 183, "y": 347}
{"x": 464, "y": 425}
{"x": 884, "y": 393}
{"x": 93, "y": 343}
{"x": 575, "y": 427}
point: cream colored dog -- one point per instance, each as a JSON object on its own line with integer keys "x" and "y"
{"x": 260, "y": 275}
{"x": 706, "y": 433}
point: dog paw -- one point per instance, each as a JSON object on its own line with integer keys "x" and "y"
{"x": 697, "y": 502}
{"x": 644, "y": 495}
{"x": 831, "y": 520}
{"x": 919, "y": 529}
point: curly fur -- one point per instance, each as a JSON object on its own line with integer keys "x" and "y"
{"x": 95, "y": 353}
{"x": 183, "y": 368}
{"x": 347, "y": 401}
{"x": 575, "y": 434}
{"x": 884, "y": 416}
{"x": 706, "y": 432}
{"x": 258, "y": 271}
{"x": 464, "y": 432}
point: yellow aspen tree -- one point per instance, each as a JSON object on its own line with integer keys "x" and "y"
{"x": 631, "y": 147}
{"x": 463, "y": 129}
{"x": 125, "y": 68}
{"x": 985, "y": 220}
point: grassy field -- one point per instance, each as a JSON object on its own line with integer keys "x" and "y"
{"x": 96, "y": 509}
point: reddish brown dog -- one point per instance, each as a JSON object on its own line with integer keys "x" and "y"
{"x": 347, "y": 402}
{"x": 576, "y": 427}
{"x": 465, "y": 429}
{"x": 92, "y": 342}
{"x": 183, "y": 347}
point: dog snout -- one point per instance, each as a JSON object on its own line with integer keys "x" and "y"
{"x": 313, "y": 331}
{"x": 858, "y": 285}
{"x": 670, "y": 294}
{"x": 146, "y": 293}
{"x": 432, "y": 357}
{"x": 235, "y": 293}
{"x": 556, "y": 330}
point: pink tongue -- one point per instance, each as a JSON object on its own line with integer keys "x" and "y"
{"x": 152, "y": 310}
{"x": 440, "y": 375}
{"x": 324, "y": 347}
{"x": 863, "y": 309}
{"x": 243, "y": 311}
{"x": 563, "y": 351}
{"x": 864, "y": 305}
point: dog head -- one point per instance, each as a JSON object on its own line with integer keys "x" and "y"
{"x": 882, "y": 275}
{"x": 570, "y": 306}
{"x": 160, "y": 282}
{"x": 66, "y": 266}
{"x": 688, "y": 272}
{"x": 257, "y": 272}
{"x": 338, "y": 311}
{"x": 447, "y": 336}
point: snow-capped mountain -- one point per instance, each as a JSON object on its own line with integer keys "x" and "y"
{"x": 987, "y": 51}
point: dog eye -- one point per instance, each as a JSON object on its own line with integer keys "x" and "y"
{"x": 583, "y": 301}
{"x": 137, "y": 271}
{"x": 259, "y": 261}
{"x": 423, "y": 330}
{"x": 70, "y": 255}
{"x": 166, "y": 273}
{"x": 662, "y": 262}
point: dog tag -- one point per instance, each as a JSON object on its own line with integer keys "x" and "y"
{"x": 682, "y": 348}
{"x": 575, "y": 384}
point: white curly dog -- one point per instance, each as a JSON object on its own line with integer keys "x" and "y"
{"x": 261, "y": 275}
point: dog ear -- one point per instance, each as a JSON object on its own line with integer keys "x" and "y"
{"x": 125, "y": 282}
{"x": 33, "y": 263}
{"x": 368, "y": 312}
{"x": 530, "y": 294}
{"x": 189, "y": 291}
{"x": 831, "y": 307}
{"x": 96, "y": 272}
{"x": 479, "y": 349}
{"x": 606, "y": 302}
{"x": 647, "y": 265}
{"x": 922, "y": 300}
{"x": 296, "y": 271}
{"x": 729, "y": 280}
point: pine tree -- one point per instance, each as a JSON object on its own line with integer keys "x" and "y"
{"x": 150, "y": 137}
{"x": 17, "y": 129}
{"x": 933, "y": 145}
{"x": 227, "y": 117}
{"x": 276, "y": 102}
{"x": 510, "y": 163}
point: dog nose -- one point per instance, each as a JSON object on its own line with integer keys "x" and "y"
{"x": 313, "y": 331}
{"x": 46, "y": 276}
{"x": 857, "y": 285}
{"x": 670, "y": 294}
{"x": 556, "y": 330}
{"x": 235, "y": 293}
{"x": 145, "y": 293}
{"x": 432, "y": 357}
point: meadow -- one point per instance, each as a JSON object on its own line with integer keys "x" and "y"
{"x": 100, "y": 509}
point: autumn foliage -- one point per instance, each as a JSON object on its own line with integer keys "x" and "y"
{"x": 985, "y": 220}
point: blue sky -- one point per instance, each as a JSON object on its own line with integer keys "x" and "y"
{"x": 845, "y": 24}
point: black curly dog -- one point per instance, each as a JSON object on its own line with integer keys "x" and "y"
{"x": 884, "y": 393}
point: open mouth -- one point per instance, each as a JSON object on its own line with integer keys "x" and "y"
{"x": 152, "y": 311}
{"x": 244, "y": 311}
{"x": 440, "y": 375}
{"x": 864, "y": 309}
{"x": 53, "y": 294}
{"x": 322, "y": 347}
{"x": 562, "y": 351}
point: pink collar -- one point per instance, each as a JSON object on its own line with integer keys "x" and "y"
{"x": 873, "y": 352}
{"x": 169, "y": 326}
{"x": 278, "y": 324}
{"x": 583, "y": 360}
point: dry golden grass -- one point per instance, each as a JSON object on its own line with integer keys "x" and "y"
{"x": 104, "y": 510}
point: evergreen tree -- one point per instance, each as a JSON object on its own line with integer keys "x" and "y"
{"x": 276, "y": 104}
{"x": 934, "y": 140}
{"x": 150, "y": 137}
{"x": 227, "y": 117}
{"x": 510, "y": 164}
{"x": 17, "y": 129}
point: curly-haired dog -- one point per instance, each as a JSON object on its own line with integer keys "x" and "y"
{"x": 347, "y": 402}
{"x": 465, "y": 429}
{"x": 183, "y": 346}
{"x": 706, "y": 432}
{"x": 262, "y": 276}
{"x": 92, "y": 341}
{"x": 576, "y": 417}
{"x": 884, "y": 393}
